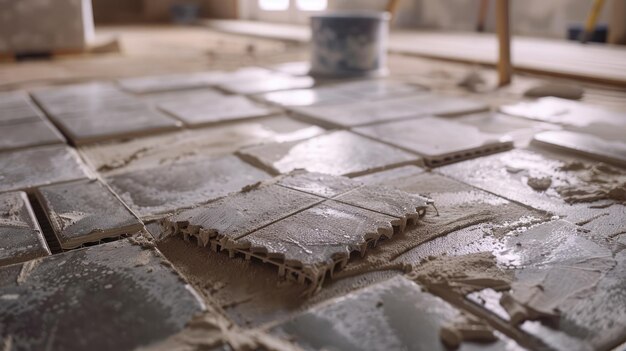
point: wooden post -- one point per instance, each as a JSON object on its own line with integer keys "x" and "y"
{"x": 505, "y": 69}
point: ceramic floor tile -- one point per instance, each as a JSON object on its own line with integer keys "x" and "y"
{"x": 205, "y": 94}
{"x": 27, "y": 134}
{"x": 437, "y": 140}
{"x": 318, "y": 239}
{"x": 228, "y": 219}
{"x": 109, "y": 125}
{"x": 304, "y": 234}
{"x": 566, "y": 112}
{"x": 370, "y": 112}
{"x": 167, "y": 148}
{"x": 565, "y": 186}
{"x": 297, "y": 68}
{"x": 85, "y": 211}
{"x": 15, "y": 107}
{"x": 586, "y": 144}
{"x": 84, "y": 98}
{"x": 272, "y": 83}
{"x": 520, "y": 130}
{"x": 21, "y": 238}
{"x": 376, "y": 89}
{"x": 336, "y": 153}
{"x": 319, "y": 184}
{"x": 305, "y": 97}
{"x": 229, "y": 108}
{"x": 580, "y": 287}
{"x": 458, "y": 208}
{"x": 29, "y": 168}
{"x": 154, "y": 191}
{"x": 393, "y": 315}
{"x": 89, "y": 298}
{"x": 170, "y": 82}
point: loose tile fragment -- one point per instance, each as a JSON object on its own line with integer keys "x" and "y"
{"x": 579, "y": 189}
{"x": 395, "y": 314}
{"x": 370, "y": 112}
{"x": 21, "y": 238}
{"x": 147, "y": 152}
{"x": 154, "y": 191}
{"x": 437, "y": 140}
{"x": 272, "y": 83}
{"x": 28, "y": 134}
{"x": 286, "y": 223}
{"x": 336, "y": 153}
{"x": 318, "y": 240}
{"x": 236, "y": 216}
{"x": 85, "y": 211}
{"x": 585, "y": 144}
{"x": 29, "y": 168}
{"x": 57, "y": 301}
{"x": 229, "y": 108}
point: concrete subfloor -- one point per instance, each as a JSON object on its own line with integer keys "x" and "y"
{"x": 508, "y": 249}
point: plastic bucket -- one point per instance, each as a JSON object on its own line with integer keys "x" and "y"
{"x": 348, "y": 44}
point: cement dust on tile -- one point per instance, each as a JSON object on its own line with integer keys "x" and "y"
{"x": 437, "y": 140}
{"x": 21, "y": 238}
{"x": 579, "y": 189}
{"x": 200, "y": 112}
{"x": 56, "y": 301}
{"x": 29, "y": 168}
{"x": 568, "y": 282}
{"x": 163, "y": 149}
{"x": 85, "y": 211}
{"x": 159, "y": 190}
{"x": 335, "y": 153}
{"x": 460, "y": 210}
{"x": 395, "y": 314}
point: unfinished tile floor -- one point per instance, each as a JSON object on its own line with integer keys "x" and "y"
{"x": 216, "y": 210}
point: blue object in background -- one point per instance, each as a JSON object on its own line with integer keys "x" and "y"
{"x": 348, "y": 44}
{"x": 184, "y": 13}
{"x": 599, "y": 35}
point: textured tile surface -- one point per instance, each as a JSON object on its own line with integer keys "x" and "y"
{"x": 21, "y": 238}
{"x": 336, "y": 153}
{"x": 230, "y": 108}
{"x": 27, "y": 134}
{"x": 272, "y": 83}
{"x": 517, "y": 174}
{"x": 152, "y": 151}
{"x": 25, "y": 169}
{"x": 167, "y": 188}
{"x": 369, "y": 112}
{"x": 392, "y": 315}
{"x": 437, "y": 140}
{"x": 16, "y": 107}
{"x": 585, "y": 144}
{"x": 85, "y": 211}
{"x": 305, "y": 97}
{"x": 89, "y": 298}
